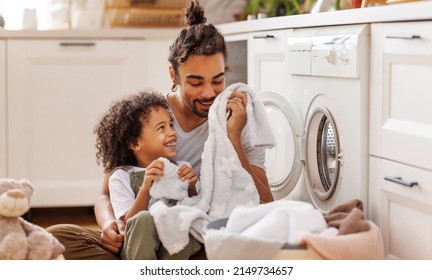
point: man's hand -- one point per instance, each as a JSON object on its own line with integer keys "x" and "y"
{"x": 112, "y": 236}
{"x": 186, "y": 173}
{"x": 236, "y": 106}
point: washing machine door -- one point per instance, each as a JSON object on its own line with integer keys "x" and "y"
{"x": 323, "y": 157}
{"x": 282, "y": 162}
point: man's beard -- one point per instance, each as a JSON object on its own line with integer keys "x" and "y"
{"x": 201, "y": 114}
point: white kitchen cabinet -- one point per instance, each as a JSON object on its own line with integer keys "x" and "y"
{"x": 2, "y": 108}
{"x": 401, "y": 119}
{"x": 57, "y": 91}
{"x": 267, "y": 70}
{"x": 401, "y": 137}
{"x": 403, "y": 213}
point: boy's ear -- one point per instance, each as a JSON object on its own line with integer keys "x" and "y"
{"x": 134, "y": 146}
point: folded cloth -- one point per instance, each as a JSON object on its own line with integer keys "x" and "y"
{"x": 260, "y": 232}
{"x": 348, "y": 217}
{"x": 352, "y": 223}
{"x": 342, "y": 210}
{"x": 365, "y": 245}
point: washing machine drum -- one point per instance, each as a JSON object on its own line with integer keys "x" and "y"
{"x": 317, "y": 152}
{"x": 323, "y": 157}
{"x": 283, "y": 165}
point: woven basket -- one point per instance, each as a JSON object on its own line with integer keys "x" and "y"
{"x": 145, "y": 13}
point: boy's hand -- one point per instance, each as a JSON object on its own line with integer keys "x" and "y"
{"x": 153, "y": 173}
{"x": 186, "y": 173}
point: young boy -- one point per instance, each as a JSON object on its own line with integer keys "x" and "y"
{"x": 136, "y": 131}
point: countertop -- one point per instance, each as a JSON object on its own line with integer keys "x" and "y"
{"x": 105, "y": 33}
{"x": 411, "y": 11}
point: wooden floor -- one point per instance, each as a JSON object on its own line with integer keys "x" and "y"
{"x": 46, "y": 217}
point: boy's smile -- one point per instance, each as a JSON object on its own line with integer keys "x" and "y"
{"x": 157, "y": 139}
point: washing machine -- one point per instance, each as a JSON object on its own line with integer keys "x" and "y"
{"x": 321, "y": 120}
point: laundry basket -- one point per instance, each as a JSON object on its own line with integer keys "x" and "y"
{"x": 144, "y": 13}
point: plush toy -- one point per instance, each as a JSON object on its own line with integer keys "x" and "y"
{"x": 19, "y": 239}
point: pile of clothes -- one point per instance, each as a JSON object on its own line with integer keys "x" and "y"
{"x": 260, "y": 232}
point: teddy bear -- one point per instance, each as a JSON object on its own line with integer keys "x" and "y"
{"x": 20, "y": 239}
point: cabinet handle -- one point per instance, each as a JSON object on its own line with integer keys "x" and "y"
{"x": 401, "y": 36}
{"x": 77, "y": 44}
{"x": 398, "y": 180}
{"x": 264, "y": 37}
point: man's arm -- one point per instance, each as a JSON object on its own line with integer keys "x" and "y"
{"x": 112, "y": 230}
{"x": 235, "y": 125}
{"x": 259, "y": 176}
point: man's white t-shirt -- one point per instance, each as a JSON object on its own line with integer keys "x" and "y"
{"x": 190, "y": 146}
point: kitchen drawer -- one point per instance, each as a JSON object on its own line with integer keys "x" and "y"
{"x": 407, "y": 38}
{"x": 267, "y": 69}
{"x": 273, "y": 41}
{"x": 401, "y": 71}
{"x": 403, "y": 213}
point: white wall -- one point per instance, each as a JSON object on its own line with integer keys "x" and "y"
{"x": 12, "y": 11}
{"x": 222, "y": 11}
{"x": 219, "y": 11}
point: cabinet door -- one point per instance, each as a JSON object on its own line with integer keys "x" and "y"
{"x": 57, "y": 92}
{"x": 3, "y": 108}
{"x": 403, "y": 213}
{"x": 401, "y": 71}
{"x": 267, "y": 70}
{"x": 156, "y": 65}
{"x": 237, "y": 61}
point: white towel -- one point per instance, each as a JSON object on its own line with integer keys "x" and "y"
{"x": 267, "y": 227}
{"x": 169, "y": 186}
{"x": 174, "y": 224}
{"x": 225, "y": 184}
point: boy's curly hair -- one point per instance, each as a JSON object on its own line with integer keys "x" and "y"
{"x": 120, "y": 127}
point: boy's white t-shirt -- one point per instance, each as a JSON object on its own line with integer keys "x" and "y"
{"x": 121, "y": 194}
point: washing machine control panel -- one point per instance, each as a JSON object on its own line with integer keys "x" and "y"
{"x": 328, "y": 51}
{"x": 335, "y": 55}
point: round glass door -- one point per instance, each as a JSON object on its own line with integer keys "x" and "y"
{"x": 282, "y": 164}
{"x": 322, "y": 153}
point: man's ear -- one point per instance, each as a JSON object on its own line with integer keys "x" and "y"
{"x": 172, "y": 75}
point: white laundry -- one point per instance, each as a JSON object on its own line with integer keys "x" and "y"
{"x": 259, "y": 232}
{"x": 224, "y": 184}
{"x": 174, "y": 224}
{"x": 169, "y": 186}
